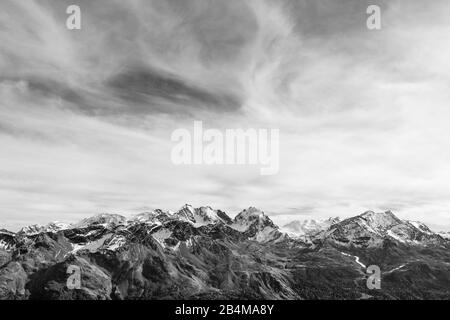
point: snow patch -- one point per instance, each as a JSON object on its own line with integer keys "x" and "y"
{"x": 395, "y": 236}
{"x": 239, "y": 226}
{"x": 161, "y": 235}
{"x": 422, "y": 227}
{"x": 5, "y": 246}
{"x": 115, "y": 243}
{"x": 395, "y": 269}
{"x": 92, "y": 246}
{"x": 265, "y": 235}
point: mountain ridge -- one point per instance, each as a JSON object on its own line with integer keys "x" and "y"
{"x": 254, "y": 222}
{"x": 203, "y": 253}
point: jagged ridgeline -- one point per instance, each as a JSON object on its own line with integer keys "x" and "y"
{"x": 201, "y": 253}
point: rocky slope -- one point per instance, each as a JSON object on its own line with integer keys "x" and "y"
{"x": 201, "y": 253}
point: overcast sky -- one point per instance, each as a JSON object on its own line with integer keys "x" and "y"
{"x": 86, "y": 115}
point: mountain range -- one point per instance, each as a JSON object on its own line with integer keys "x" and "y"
{"x": 202, "y": 253}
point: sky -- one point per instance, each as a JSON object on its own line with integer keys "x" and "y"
{"x": 86, "y": 115}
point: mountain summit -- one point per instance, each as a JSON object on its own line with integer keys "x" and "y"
{"x": 372, "y": 229}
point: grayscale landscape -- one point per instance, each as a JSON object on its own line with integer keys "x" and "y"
{"x": 327, "y": 119}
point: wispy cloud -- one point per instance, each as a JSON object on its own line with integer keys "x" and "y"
{"x": 86, "y": 116}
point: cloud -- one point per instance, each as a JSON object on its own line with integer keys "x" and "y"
{"x": 86, "y": 116}
{"x": 141, "y": 85}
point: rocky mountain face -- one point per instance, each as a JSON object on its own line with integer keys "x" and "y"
{"x": 201, "y": 253}
{"x": 372, "y": 229}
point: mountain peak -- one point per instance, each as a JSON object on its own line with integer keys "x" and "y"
{"x": 146, "y": 217}
{"x": 105, "y": 219}
{"x": 380, "y": 218}
{"x": 54, "y": 226}
{"x": 377, "y": 222}
{"x": 334, "y": 220}
{"x": 202, "y": 216}
{"x": 251, "y": 211}
{"x": 373, "y": 228}
{"x": 186, "y": 212}
{"x": 252, "y": 219}
{"x": 187, "y": 207}
{"x": 298, "y": 228}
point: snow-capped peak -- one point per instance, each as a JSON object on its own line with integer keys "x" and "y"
{"x": 207, "y": 214}
{"x": 308, "y": 227}
{"x": 380, "y": 221}
{"x": 252, "y": 217}
{"x": 186, "y": 213}
{"x": 201, "y": 216}
{"x": 250, "y": 212}
{"x": 371, "y": 229}
{"x": 188, "y": 207}
{"x": 38, "y": 228}
{"x": 31, "y": 229}
{"x": 150, "y": 217}
{"x": 257, "y": 225}
{"x": 104, "y": 219}
{"x": 57, "y": 226}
